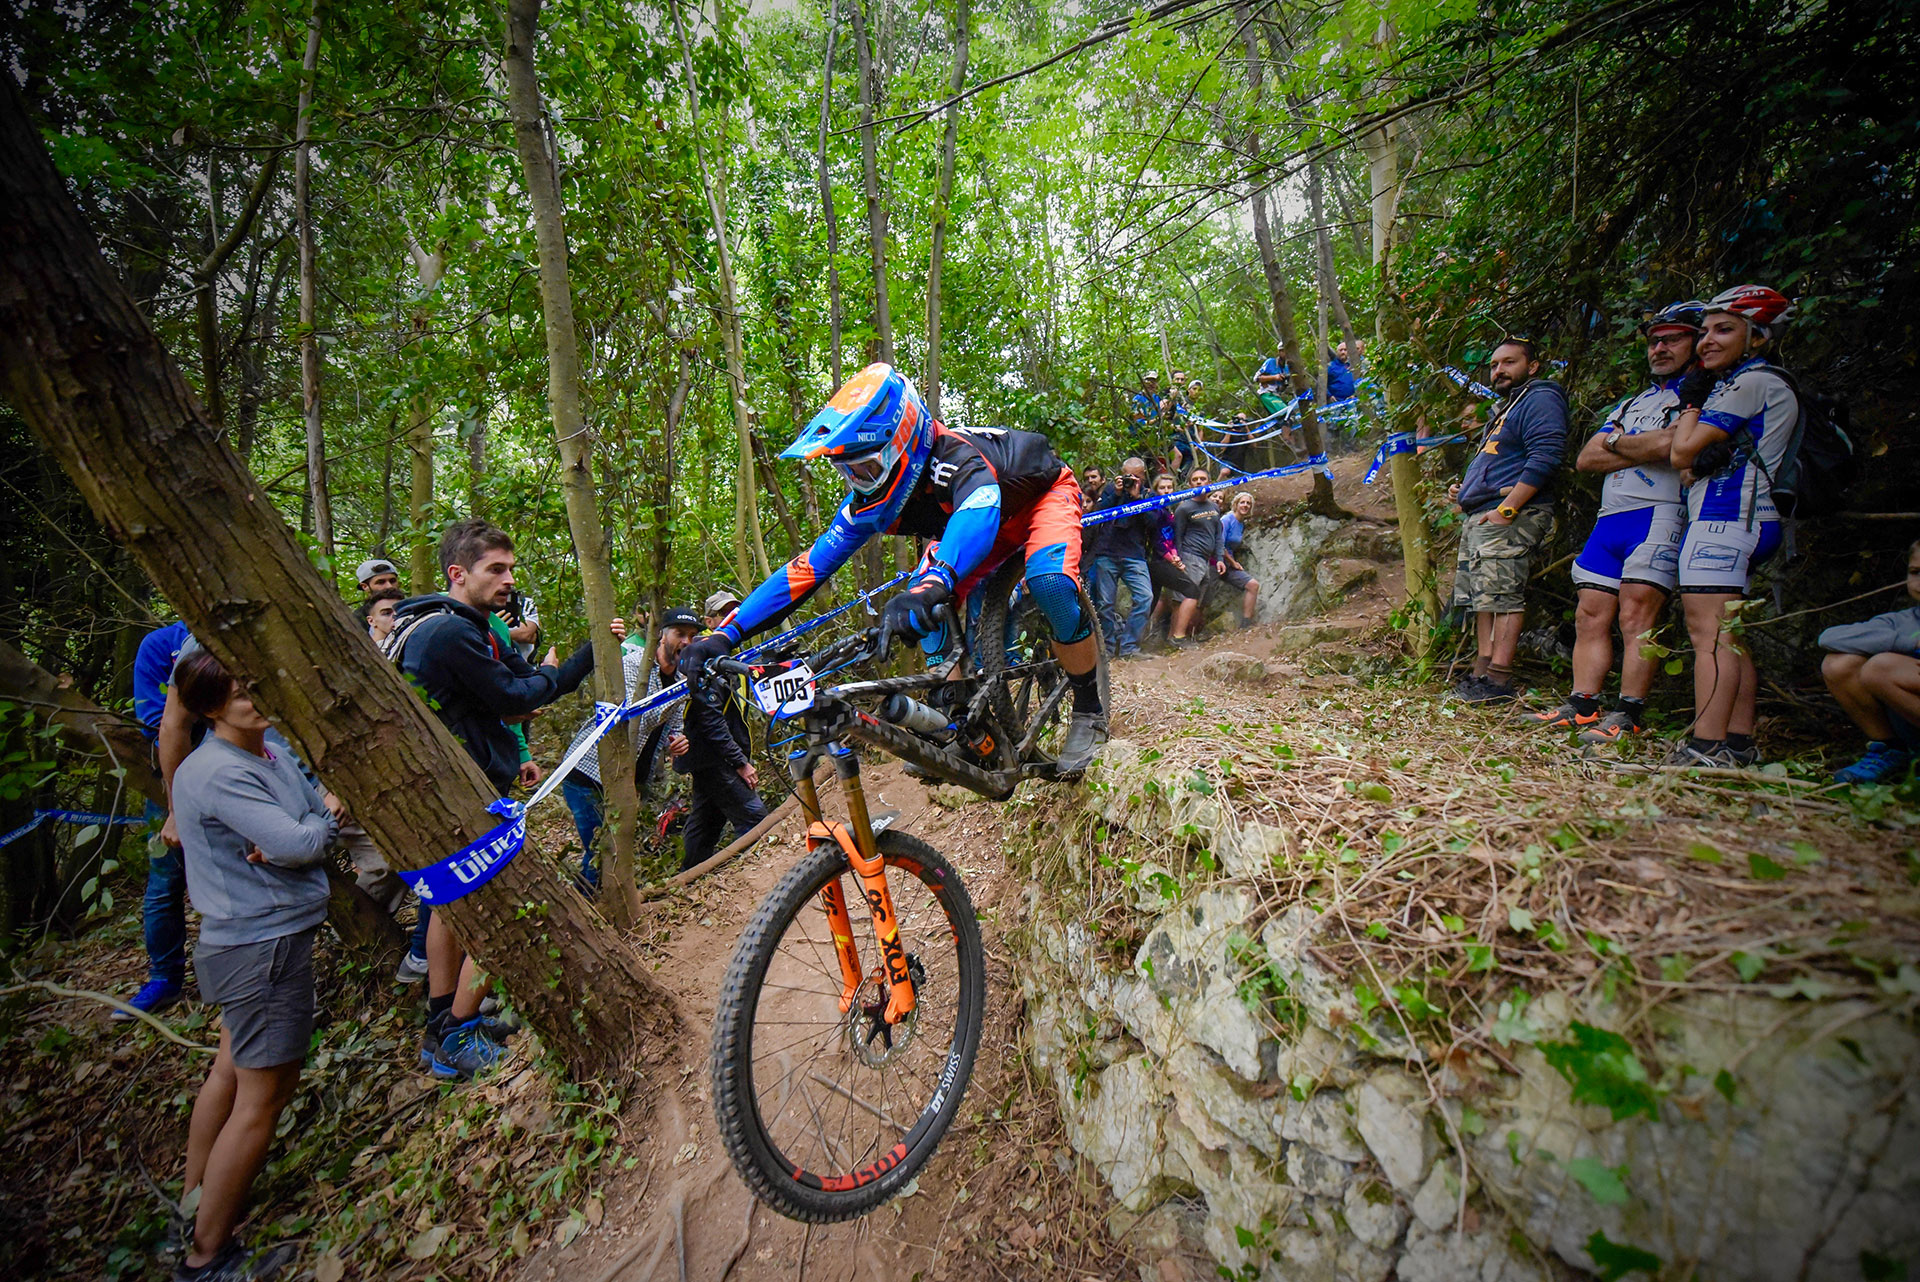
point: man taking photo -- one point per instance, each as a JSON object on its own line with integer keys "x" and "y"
{"x": 1120, "y": 551}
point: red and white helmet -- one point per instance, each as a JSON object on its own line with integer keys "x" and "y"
{"x": 1760, "y": 306}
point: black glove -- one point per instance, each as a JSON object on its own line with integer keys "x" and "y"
{"x": 693, "y": 660}
{"x": 910, "y": 613}
{"x": 1714, "y": 459}
{"x": 1696, "y": 387}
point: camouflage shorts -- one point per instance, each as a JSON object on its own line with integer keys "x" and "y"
{"x": 1497, "y": 560}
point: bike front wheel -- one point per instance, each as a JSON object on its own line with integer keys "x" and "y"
{"x": 827, "y": 1114}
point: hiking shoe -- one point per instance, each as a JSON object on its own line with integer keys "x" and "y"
{"x": 1087, "y": 731}
{"x": 1565, "y": 717}
{"x": 1883, "y": 763}
{"x": 500, "y": 1025}
{"x": 154, "y": 996}
{"x": 1466, "y": 687}
{"x": 1181, "y": 643}
{"x": 1739, "y": 758}
{"x": 1612, "y": 728}
{"x": 1685, "y": 754}
{"x": 1489, "y": 691}
{"x": 411, "y": 970}
{"x": 465, "y": 1052}
{"x": 235, "y": 1263}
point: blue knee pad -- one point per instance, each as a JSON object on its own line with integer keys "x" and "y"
{"x": 1058, "y": 596}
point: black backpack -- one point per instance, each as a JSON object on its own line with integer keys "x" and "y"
{"x": 1820, "y": 464}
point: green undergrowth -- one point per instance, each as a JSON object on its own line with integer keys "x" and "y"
{"x": 376, "y": 1170}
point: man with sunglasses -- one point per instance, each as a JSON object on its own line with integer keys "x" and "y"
{"x": 1631, "y": 562}
{"x": 982, "y": 495}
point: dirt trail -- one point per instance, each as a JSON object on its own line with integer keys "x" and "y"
{"x": 1003, "y": 1198}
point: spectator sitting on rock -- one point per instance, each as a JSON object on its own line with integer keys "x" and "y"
{"x": 1233, "y": 536}
{"x": 1873, "y": 669}
{"x": 1165, "y": 570}
{"x": 1197, "y": 533}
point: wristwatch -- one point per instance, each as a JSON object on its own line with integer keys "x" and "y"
{"x": 1508, "y": 510}
{"x": 1612, "y": 440}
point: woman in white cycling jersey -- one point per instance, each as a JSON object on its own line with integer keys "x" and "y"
{"x": 1736, "y": 424}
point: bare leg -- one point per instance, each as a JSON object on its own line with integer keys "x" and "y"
{"x": 1894, "y": 680}
{"x": 1841, "y": 672}
{"x": 1483, "y": 642}
{"x": 210, "y": 1110}
{"x": 1250, "y": 600}
{"x": 1716, "y": 671}
{"x": 1593, "y": 639}
{"x": 1741, "y": 716}
{"x": 1505, "y": 634}
{"x": 1640, "y": 607}
{"x": 238, "y": 1154}
{"x": 1184, "y": 616}
{"x": 473, "y": 987}
{"x": 444, "y": 958}
{"x": 1075, "y": 657}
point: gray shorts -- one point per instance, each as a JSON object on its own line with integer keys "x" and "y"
{"x": 1236, "y": 579}
{"x": 265, "y": 995}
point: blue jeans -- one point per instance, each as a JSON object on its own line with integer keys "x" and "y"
{"x": 164, "y": 916}
{"x": 583, "y": 799}
{"x": 1109, "y": 573}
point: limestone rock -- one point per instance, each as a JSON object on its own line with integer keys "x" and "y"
{"x": 1231, "y": 668}
{"x": 1391, "y": 1117}
{"x": 1185, "y": 960}
{"x": 1338, "y": 576}
{"x": 1374, "y": 1215}
{"x": 1308, "y": 637}
{"x": 1365, "y": 541}
{"x": 1312, "y": 1171}
{"x": 1322, "y": 1123}
{"x": 1437, "y": 1204}
{"x": 1202, "y": 1089}
{"x": 1463, "y": 1257}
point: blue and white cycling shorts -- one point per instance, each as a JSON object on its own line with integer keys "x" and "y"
{"x": 1720, "y": 556}
{"x": 1638, "y": 545}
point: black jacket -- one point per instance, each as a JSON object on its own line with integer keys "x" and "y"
{"x": 1129, "y": 538}
{"x": 716, "y": 732}
{"x": 472, "y": 685}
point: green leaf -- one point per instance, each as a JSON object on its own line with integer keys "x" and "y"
{"x": 1244, "y": 1236}
{"x": 1805, "y": 852}
{"x": 1511, "y": 1025}
{"x": 1704, "y": 853}
{"x": 1479, "y": 957}
{"x": 1378, "y": 930}
{"x": 1391, "y": 842}
{"x": 1747, "y": 966}
{"x": 1607, "y": 1185}
{"x": 86, "y": 834}
{"x": 1724, "y": 1083}
{"x": 1615, "y": 1260}
{"x": 1674, "y": 667}
{"x": 1602, "y": 1069}
{"x": 1764, "y": 869}
{"x": 1519, "y": 920}
{"x": 1375, "y": 792}
{"x": 1454, "y": 923}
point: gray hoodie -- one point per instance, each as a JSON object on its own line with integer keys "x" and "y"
{"x": 1897, "y": 632}
{"x": 226, "y": 801}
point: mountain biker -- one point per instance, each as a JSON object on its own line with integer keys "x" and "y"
{"x": 984, "y": 495}
{"x": 1737, "y": 416}
{"x": 1631, "y": 560}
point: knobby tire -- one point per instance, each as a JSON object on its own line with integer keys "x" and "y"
{"x": 939, "y": 929}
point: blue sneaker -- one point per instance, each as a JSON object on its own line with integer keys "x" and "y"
{"x": 1883, "y": 763}
{"x": 154, "y": 996}
{"x": 465, "y": 1052}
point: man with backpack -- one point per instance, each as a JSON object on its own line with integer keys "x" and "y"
{"x": 1631, "y": 561}
{"x": 1739, "y": 417}
{"x": 445, "y": 644}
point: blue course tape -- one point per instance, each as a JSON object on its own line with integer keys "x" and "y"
{"x": 1158, "y": 501}
{"x": 66, "y": 817}
{"x": 1404, "y": 443}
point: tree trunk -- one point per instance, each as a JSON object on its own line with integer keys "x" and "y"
{"x": 1322, "y": 500}
{"x": 206, "y": 289}
{"x": 826, "y": 200}
{"x": 746, "y": 510}
{"x": 620, "y": 896}
{"x": 385, "y": 532}
{"x": 423, "y": 575}
{"x": 1330, "y": 287}
{"x": 309, "y": 339}
{"x": 930, "y": 383}
{"x": 84, "y": 726}
{"x": 86, "y": 371}
{"x": 870, "y": 177}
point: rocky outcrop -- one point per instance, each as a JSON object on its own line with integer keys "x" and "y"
{"x": 1232, "y": 1089}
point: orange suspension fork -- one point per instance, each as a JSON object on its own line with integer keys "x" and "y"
{"x": 833, "y": 899}
{"x": 864, "y": 856}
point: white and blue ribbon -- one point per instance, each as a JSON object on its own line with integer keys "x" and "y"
{"x": 67, "y": 817}
{"x": 1155, "y": 502}
{"x": 1404, "y": 443}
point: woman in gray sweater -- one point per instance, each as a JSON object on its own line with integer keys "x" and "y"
{"x": 254, "y": 833}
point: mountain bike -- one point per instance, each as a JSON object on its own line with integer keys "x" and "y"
{"x": 848, "y": 1022}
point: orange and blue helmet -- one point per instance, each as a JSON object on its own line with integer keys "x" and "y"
{"x": 876, "y": 431}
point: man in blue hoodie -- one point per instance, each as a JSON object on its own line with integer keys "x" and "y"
{"x": 1506, "y": 498}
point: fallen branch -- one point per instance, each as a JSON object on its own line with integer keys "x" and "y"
{"x": 706, "y": 866}
{"x": 59, "y": 990}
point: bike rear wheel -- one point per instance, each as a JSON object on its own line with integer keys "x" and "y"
{"x": 827, "y": 1115}
{"x": 1015, "y": 644}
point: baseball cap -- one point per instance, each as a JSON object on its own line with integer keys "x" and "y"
{"x": 682, "y": 617}
{"x": 722, "y": 601}
{"x": 371, "y": 567}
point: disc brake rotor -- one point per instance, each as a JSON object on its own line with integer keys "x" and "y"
{"x": 873, "y": 1041}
